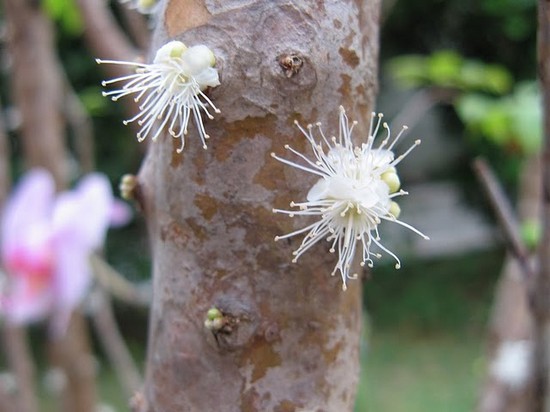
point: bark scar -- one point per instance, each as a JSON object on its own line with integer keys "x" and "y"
{"x": 291, "y": 63}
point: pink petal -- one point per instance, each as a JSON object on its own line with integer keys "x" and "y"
{"x": 121, "y": 213}
{"x": 27, "y": 209}
{"x": 72, "y": 275}
{"x": 84, "y": 213}
{"x": 24, "y": 303}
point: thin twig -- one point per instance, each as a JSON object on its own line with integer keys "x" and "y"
{"x": 112, "y": 281}
{"x": 113, "y": 343}
{"x": 505, "y": 215}
{"x": 421, "y": 102}
{"x": 106, "y": 40}
{"x": 137, "y": 25}
{"x": 104, "y": 36}
{"x": 80, "y": 125}
{"x": 21, "y": 364}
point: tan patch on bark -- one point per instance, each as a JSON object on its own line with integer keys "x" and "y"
{"x": 262, "y": 356}
{"x": 207, "y": 205}
{"x": 185, "y": 15}
{"x": 350, "y": 56}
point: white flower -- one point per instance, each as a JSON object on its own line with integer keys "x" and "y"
{"x": 143, "y": 6}
{"x": 512, "y": 364}
{"x": 169, "y": 90}
{"x": 354, "y": 193}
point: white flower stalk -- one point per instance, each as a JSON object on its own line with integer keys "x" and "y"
{"x": 170, "y": 90}
{"x": 143, "y": 6}
{"x": 355, "y": 192}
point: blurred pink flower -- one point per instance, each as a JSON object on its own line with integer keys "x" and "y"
{"x": 46, "y": 241}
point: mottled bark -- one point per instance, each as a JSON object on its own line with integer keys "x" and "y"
{"x": 294, "y": 338}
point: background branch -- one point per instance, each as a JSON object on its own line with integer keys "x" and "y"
{"x": 541, "y": 288}
{"x": 108, "y": 333}
{"x": 504, "y": 213}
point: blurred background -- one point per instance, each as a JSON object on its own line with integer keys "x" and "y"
{"x": 462, "y": 75}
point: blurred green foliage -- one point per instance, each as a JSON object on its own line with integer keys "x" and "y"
{"x": 512, "y": 122}
{"x": 531, "y": 233}
{"x": 449, "y": 69}
{"x": 502, "y": 119}
{"x": 67, "y": 14}
{"x": 495, "y": 31}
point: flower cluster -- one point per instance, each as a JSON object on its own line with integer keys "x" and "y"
{"x": 143, "y": 6}
{"x": 355, "y": 192}
{"x": 170, "y": 90}
{"x": 46, "y": 241}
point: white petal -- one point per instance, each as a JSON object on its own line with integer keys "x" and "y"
{"x": 207, "y": 78}
{"x": 318, "y": 191}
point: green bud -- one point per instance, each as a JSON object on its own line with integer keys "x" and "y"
{"x": 213, "y": 313}
{"x": 531, "y": 233}
{"x": 177, "y": 48}
{"x": 146, "y": 4}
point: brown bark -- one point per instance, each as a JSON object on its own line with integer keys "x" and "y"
{"x": 294, "y": 340}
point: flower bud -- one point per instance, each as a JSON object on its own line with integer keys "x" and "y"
{"x": 391, "y": 178}
{"x": 198, "y": 58}
{"x": 169, "y": 51}
{"x": 395, "y": 210}
{"x": 214, "y": 313}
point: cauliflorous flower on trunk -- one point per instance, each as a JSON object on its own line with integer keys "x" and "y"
{"x": 356, "y": 191}
{"x": 143, "y": 6}
{"x": 170, "y": 90}
{"x": 46, "y": 241}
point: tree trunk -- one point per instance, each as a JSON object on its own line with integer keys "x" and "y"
{"x": 293, "y": 341}
{"x": 511, "y": 319}
{"x": 541, "y": 288}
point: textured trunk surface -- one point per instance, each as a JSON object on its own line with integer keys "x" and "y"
{"x": 294, "y": 342}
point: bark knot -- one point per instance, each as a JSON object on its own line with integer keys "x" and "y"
{"x": 291, "y": 63}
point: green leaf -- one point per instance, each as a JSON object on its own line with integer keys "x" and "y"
{"x": 526, "y": 113}
{"x": 409, "y": 71}
{"x": 444, "y": 68}
{"x": 66, "y": 13}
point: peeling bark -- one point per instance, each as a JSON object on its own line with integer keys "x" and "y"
{"x": 293, "y": 340}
